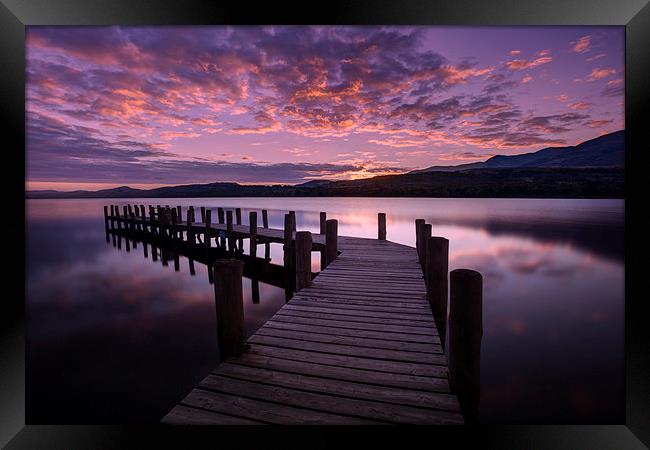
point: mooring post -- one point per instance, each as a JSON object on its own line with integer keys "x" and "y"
{"x": 229, "y": 233}
{"x": 424, "y": 238}
{"x": 240, "y": 241}
{"x": 289, "y": 266}
{"x": 465, "y": 333}
{"x": 418, "y": 244}
{"x": 208, "y": 228}
{"x": 303, "y": 259}
{"x": 252, "y": 221}
{"x": 265, "y": 218}
{"x": 331, "y": 240}
{"x": 437, "y": 282}
{"x": 230, "y": 306}
{"x": 381, "y": 225}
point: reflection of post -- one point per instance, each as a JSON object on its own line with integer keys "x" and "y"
{"x": 191, "y": 263}
{"x": 177, "y": 262}
{"x": 331, "y": 240}
{"x": 303, "y": 259}
{"x": 381, "y": 226}
{"x": 230, "y": 306}
{"x": 229, "y": 233}
{"x": 106, "y": 227}
{"x": 252, "y": 221}
{"x": 323, "y": 257}
{"x": 436, "y": 279}
{"x": 255, "y": 290}
{"x": 465, "y": 333}
{"x": 146, "y": 252}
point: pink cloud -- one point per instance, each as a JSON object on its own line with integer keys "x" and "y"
{"x": 543, "y": 57}
{"x": 580, "y": 105}
{"x": 582, "y": 45}
{"x": 598, "y": 74}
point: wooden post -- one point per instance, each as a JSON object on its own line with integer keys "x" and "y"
{"x": 289, "y": 266}
{"x": 465, "y": 333}
{"x": 437, "y": 291}
{"x": 220, "y": 214}
{"x": 381, "y": 222}
{"x": 174, "y": 223}
{"x": 331, "y": 240}
{"x": 425, "y": 231}
{"x": 202, "y": 214}
{"x": 230, "y": 306}
{"x": 240, "y": 241}
{"x": 229, "y": 233}
{"x": 418, "y": 244}
{"x": 303, "y": 259}
{"x": 422, "y": 238}
{"x": 265, "y": 218}
{"x": 208, "y": 228}
{"x": 106, "y": 217}
{"x": 323, "y": 255}
{"x": 252, "y": 221}
{"x": 190, "y": 220}
{"x": 293, "y": 220}
{"x": 179, "y": 213}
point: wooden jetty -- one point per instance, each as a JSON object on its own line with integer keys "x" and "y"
{"x": 358, "y": 343}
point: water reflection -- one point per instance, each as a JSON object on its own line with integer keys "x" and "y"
{"x": 106, "y": 327}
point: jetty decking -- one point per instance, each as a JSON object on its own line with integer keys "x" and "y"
{"x": 357, "y": 344}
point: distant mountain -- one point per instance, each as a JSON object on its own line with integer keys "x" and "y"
{"x": 605, "y": 151}
{"x": 593, "y": 169}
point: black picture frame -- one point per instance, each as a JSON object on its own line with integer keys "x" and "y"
{"x": 16, "y": 14}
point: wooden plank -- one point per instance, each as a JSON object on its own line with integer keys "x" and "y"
{"x": 353, "y": 362}
{"x": 317, "y": 384}
{"x": 186, "y": 415}
{"x": 422, "y": 383}
{"x": 327, "y": 338}
{"x": 407, "y": 307}
{"x": 424, "y": 320}
{"x": 354, "y": 325}
{"x": 418, "y": 327}
{"x": 398, "y": 337}
{"x": 348, "y": 350}
{"x": 265, "y": 411}
{"x": 355, "y": 409}
{"x": 418, "y": 310}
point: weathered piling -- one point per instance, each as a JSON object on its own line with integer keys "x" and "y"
{"x": 190, "y": 220}
{"x": 252, "y": 222}
{"x": 229, "y": 232}
{"x": 293, "y": 221}
{"x": 422, "y": 238}
{"x": 208, "y": 225}
{"x": 418, "y": 245}
{"x": 381, "y": 226}
{"x": 323, "y": 226}
{"x": 289, "y": 255}
{"x": 265, "y": 218}
{"x": 106, "y": 226}
{"x": 331, "y": 240}
{"x": 303, "y": 259}
{"x": 221, "y": 241}
{"x": 437, "y": 282}
{"x": 220, "y": 215}
{"x": 240, "y": 241}
{"x": 465, "y": 333}
{"x": 202, "y": 214}
{"x": 174, "y": 223}
{"x": 230, "y": 306}
{"x": 179, "y": 213}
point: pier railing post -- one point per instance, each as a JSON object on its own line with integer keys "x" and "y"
{"x": 202, "y": 214}
{"x": 425, "y": 231}
{"x": 418, "y": 245}
{"x": 252, "y": 222}
{"x": 465, "y": 333}
{"x": 229, "y": 305}
{"x": 323, "y": 227}
{"x": 289, "y": 255}
{"x": 240, "y": 241}
{"x": 208, "y": 226}
{"x": 437, "y": 282}
{"x": 229, "y": 233}
{"x": 303, "y": 259}
{"x": 265, "y": 218}
{"x": 179, "y": 213}
{"x": 293, "y": 220}
{"x": 331, "y": 240}
{"x": 381, "y": 226}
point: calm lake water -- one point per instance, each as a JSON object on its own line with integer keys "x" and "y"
{"x": 114, "y": 337}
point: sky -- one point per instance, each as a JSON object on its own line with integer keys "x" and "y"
{"x": 156, "y": 106}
